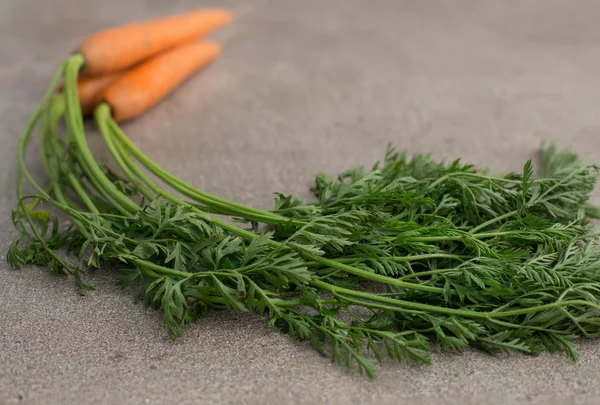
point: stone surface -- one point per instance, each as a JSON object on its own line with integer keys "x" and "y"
{"x": 305, "y": 86}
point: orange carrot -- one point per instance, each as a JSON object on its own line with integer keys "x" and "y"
{"x": 145, "y": 85}
{"x": 119, "y": 48}
{"x": 89, "y": 90}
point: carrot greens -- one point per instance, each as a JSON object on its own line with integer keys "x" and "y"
{"x": 383, "y": 262}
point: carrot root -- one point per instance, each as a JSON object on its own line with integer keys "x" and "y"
{"x": 89, "y": 90}
{"x": 145, "y": 85}
{"x": 120, "y": 48}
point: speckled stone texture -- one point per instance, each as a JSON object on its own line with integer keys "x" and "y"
{"x": 305, "y": 86}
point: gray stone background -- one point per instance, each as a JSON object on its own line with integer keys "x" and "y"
{"x": 305, "y": 86}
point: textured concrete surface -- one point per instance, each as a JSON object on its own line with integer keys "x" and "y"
{"x": 305, "y": 86}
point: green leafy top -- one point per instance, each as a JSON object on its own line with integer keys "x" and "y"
{"x": 384, "y": 261}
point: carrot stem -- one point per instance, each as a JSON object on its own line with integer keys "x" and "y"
{"x": 189, "y": 191}
{"x": 76, "y": 134}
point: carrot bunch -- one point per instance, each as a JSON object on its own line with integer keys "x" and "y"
{"x": 455, "y": 256}
{"x": 133, "y": 66}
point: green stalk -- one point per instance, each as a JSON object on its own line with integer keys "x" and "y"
{"x": 74, "y": 122}
{"x": 404, "y": 259}
{"x": 23, "y": 173}
{"x": 565, "y": 180}
{"x": 483, "y": 235}
{"x": 55, "y": 112}
{"x": 230, "y": 207}
{"x": 430, "y": 273}
{"x": 372, "y": 276}
{"x": 120, "y": 159}
{"x": 280, "y": 303}
{"x": 159, "y": 268}
{"x": 54, "y": 148}
{"x": 26, "y": 136}
{"x": 399, "y": 305}
{"x": 49, "y": 120}
{"x": 46, "y": 150}
{"x": 494, "y": 220}
{"x": 475, "y": 175}
{"x": 103, "y": 113}
{"x": 572, "y": 305}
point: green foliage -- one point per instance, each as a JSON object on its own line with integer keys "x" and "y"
{"x": 505, "y": 261}
{"x": 383, "y": 263}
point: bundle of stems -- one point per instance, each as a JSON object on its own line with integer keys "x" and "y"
{"x": 387, "y": 261}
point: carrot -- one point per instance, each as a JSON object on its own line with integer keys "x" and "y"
{"x": 89, "y": 90}
{"x": 119, "y": 48}
{"x": 145, "y": 85}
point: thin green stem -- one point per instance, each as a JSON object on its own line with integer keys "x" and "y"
{"x": 230, "y": 207}
{"x": 103, "y": 113}
{"x": 51, "y": 164}
{"x": 563, "y": 181}
{"x": 46, "y": 150}
{"x": 158, "y": 267}
{"x": 493, "y": 221}
{"x": 162, "y": 193}
{"x": 56, "y": 111}
{"x": 483, "y": 235}
{"x": 373, "y": 276}
{"x": 22, "y": 172}
{"x": 26, "y": 136}
{"x": 280, "y": 303}
{"x": 31, "y": 206}
{"x": 401, "y": 304}
{"x": 120, "y": 158}
{"x": 74, "y": 122}
{"x": 171, "y": 272}
{"x": 403, "y": 259}
{"x": 475, "y": 175}
{"x": 429, "y": 273}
